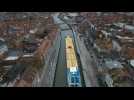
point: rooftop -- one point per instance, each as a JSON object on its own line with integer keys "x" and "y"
{"x": 113, "y": 64}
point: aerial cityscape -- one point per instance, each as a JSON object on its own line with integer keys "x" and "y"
{"x": 66, "y": 49}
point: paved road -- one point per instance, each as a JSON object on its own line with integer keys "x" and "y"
{"x": 88, "y": 66}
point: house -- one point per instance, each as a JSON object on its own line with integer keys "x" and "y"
{"x": 3, "y": 48}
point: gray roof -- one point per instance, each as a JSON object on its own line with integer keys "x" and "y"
{"x": 132, "y": 62}
{"x": 113, "y": 64}
{"x": 3, "y": 46}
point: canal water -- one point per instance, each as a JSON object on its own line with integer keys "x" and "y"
{"x": 60, "y": 76}
{"x": 61, "y": 71}
{"x": 60, "y": 79}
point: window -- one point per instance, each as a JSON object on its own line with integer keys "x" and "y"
{"x": 77, "y": 80}
{"x": 72, "y": 80}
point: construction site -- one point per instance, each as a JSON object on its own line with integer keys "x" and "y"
{"x": 33, "y": 49}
